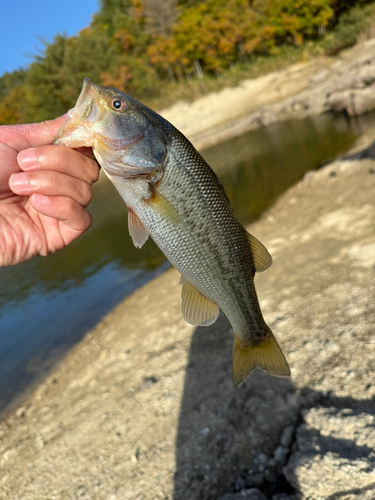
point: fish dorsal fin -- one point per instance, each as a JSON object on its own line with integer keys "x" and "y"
{"x": 196, "y": 308}
{"x": 262, "y": 257}
{"x": 137, "y": 230}
{"x": 163, "y": 206}
{"x": 267, "y": 355}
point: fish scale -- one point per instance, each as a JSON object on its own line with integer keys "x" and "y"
{"x": 174, "y": 196}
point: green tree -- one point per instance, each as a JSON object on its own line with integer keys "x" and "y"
{"x": 10, "y": 80}
{"x": 12, "y": 106}
{"x": 54, "y": 79}
{"x": 106, "y": 18}
{"x": 12, "y": 97}
{"x": 296, "y": 19}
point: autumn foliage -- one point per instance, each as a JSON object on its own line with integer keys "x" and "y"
{"x": 136, "y": 45}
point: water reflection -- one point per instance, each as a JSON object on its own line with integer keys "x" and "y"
{"x": 257, "y": 167}
{"x": 47, "y": 304}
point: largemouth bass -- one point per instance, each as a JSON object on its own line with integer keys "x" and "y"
{"x": 174, "y": 196}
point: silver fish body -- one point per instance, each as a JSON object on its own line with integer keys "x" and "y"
{"x": 174, "y": 196}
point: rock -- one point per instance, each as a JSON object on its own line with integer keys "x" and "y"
{"x": 353, "y": 102}
{"x": 254, "y": 480}
{"x": 251, "y": 494}
{"x": 286, "y": 436}
{"x": 335, "y": 454}
{"x": 349, "y": 89}
{"x": 280, "y": 454}
{"x": 262, "y": 458}
{"x": 240, "y": 484}
{"x": 319, "y": 76}
{"x": 270, "y": 475}
{"x": 285, "y": 496}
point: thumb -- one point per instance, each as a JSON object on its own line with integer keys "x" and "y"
{"x": 21, "y": 137}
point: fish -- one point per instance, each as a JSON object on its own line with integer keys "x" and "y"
{"x": 174, "y": 196}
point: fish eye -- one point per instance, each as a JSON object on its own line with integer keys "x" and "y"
{"x": 118, "y": 104}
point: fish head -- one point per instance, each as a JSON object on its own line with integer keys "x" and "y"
{"x": 127, "y": 138}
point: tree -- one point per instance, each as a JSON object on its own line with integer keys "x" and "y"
{"x": 295, "y": 19}
{"x": 107, "y": 15}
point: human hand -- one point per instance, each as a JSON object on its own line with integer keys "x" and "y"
{"x": 44, "y": 191}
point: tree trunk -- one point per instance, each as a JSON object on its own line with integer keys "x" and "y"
{"x": 198, "y": 69}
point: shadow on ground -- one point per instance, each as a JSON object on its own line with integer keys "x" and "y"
{"x": 231, "y": 439}
{"x": 222, "y": 429}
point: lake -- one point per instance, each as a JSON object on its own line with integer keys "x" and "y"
{"x": 48, "y": 304}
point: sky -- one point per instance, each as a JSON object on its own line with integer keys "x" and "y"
{"x": 23, "y": 22}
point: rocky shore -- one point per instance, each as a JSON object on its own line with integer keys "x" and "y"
{"x": 343, "y": 84}
{"x": 144, "y": 406}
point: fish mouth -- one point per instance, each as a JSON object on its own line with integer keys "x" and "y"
{"x": 76, "y": 129}
{"x": 79, "y": 128}
{"x": 87, "y": 124}
{"x": 128, "y": 171}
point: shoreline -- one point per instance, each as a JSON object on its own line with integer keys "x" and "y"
{"x": 341, "y": 84}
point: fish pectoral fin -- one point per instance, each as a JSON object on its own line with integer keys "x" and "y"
{"x": 196, "y": 308}
{"x": 163, "y": 207}
{"x": 262, "y": 257}
{"x": 268, "y": 356}
{"x": 137, "y": 230}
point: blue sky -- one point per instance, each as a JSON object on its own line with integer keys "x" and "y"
{"x": 24, "y": 21}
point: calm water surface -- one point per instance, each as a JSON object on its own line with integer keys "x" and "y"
{"x": 47, "y": 304}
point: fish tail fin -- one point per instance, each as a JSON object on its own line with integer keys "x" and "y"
{"x": 268, "y": 356}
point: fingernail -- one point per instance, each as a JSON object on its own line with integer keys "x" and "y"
{"x": 40, "y": 199}
{"x": 27, "y": 158}
{"x": 19, "y": 182}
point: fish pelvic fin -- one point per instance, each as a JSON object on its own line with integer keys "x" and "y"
{"x": 267, "y": 355}
{"x": 137, "y": 230}
{"x": 262, "y": 257}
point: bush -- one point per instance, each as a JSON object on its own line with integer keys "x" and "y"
{"x": 352, "y": 25}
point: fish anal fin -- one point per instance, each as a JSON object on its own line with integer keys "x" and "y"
{"x": 137, "y": 230}
{"x": 262, "y": 257}
{"x": 268, "y": 356}
{"x": 196, "y": 308}
{"x": 163, "y": 206}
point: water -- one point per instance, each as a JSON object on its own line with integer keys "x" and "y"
{"x": 47, "y": 304}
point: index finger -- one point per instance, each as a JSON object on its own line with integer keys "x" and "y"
{"x": 32, "y": 135}
{"x": 60, "y": 159}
